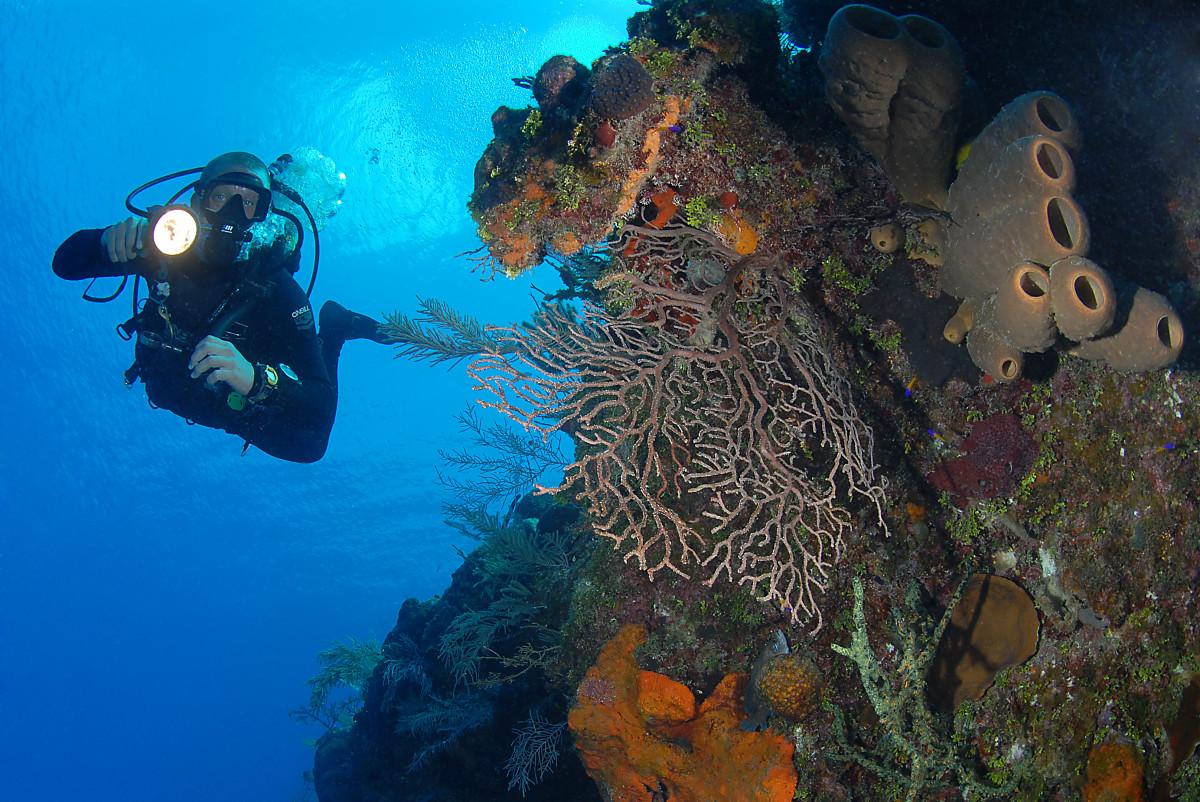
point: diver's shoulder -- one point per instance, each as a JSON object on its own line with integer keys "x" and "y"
{"x": 290, "y": 301}
{"x": 284, "y": 285}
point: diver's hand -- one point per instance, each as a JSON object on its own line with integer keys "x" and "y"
{"x": 218, "y": 360}
{"x": 123, "y": 241}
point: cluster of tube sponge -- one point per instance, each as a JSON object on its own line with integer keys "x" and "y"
{"x": 1015, "y": 249}
{"x": 897, "y": 83}
{"x": 1015, "y": 253}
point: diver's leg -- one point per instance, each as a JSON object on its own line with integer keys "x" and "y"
{"x": 331, "y": 352}
{"x": 337, "y": 325}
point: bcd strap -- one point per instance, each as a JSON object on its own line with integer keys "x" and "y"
{"x": 127, "y": 329}
{"x": 87, "y": 292}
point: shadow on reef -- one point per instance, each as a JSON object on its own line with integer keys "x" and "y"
{"x": 806, "y": 514}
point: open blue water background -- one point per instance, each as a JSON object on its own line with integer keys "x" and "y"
{"x": 161, "y": 597}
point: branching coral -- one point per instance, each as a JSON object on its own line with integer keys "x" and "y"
{"x": 910, "y": 734}
{"x": 438, "y": 723}
{"x": 344, "y": 667}
{"x": 467, "y": 642}
{"x": 715, "y": 431}
{"x": 534, "y": 753}
{"x": 504, "y": 464}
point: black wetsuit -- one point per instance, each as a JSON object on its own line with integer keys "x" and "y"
{"x": 276, "y": 327}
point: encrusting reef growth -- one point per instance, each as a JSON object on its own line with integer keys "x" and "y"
{"x": 876, "y": 485}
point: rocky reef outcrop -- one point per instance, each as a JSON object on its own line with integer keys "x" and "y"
{"x": 783, "y": 271}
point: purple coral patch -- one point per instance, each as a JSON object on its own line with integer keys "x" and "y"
{"x": 996, "y": 455}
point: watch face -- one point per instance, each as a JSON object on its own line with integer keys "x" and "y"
{"x": 287, "y": 371}
{"x": 271, "y": 374}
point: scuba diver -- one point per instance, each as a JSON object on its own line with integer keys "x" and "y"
{"x": 225, "y": 337}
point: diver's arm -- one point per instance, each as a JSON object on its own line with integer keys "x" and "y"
{"x": 298, "y": 415}
{"x": 85, "y": 255}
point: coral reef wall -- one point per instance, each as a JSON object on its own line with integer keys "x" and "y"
{"x": 803, "y": 514}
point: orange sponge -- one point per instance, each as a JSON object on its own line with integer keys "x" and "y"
{"x": 642, "y": 738}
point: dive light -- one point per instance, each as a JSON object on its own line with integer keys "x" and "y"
{"x": 174, "y": 229}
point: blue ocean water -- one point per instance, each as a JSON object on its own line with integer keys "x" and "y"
{"x": 161, "y": 597}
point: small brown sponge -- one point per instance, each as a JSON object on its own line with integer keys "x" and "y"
{"x": 994, "y": 625}
{"x": 1151, "y": 336}
{"x": 621, "y": 88}
{"x": 1019, "y": 311}
{"x": 993, "y": 355}
{"x": 1014, "y": 319}
{"x": 887, "y": 238}
{"x": 957, "y": 327}
{"x": 897, "y": 83}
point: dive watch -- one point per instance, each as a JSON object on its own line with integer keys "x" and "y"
{"x": 266, "y": 379}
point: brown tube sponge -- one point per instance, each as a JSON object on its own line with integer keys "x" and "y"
{"x": 897, "y": 84}
{"x": 863, "y": 59}
{"x": 993, "y": 355}
{"x": 1032, "y": 114}
{"x": 1081, "y": 297}
{"x": 1030, "y": 228}
{"x": 1019, "y": 312}
{"x": 1011, "y": 202}
{"x": 1031, "y": 165}
{"x": 1151, "y": 337}
{"x": 925, "y": 113}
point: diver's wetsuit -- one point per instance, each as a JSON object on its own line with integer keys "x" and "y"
{"x": 293, "y": 422}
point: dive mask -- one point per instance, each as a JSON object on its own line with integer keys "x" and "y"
{"x": 232, "y": 203}
{"x": 238, "y": 198}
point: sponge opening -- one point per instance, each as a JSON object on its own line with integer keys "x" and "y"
{"x": 873, "y": 22}
{"x": 925, "y": 31}
{"x": 1088, "y": 293}
{"x": 1064, "y": 223}
{"x": 1051, "y": 160}
{"x": 1053, "y": 114}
